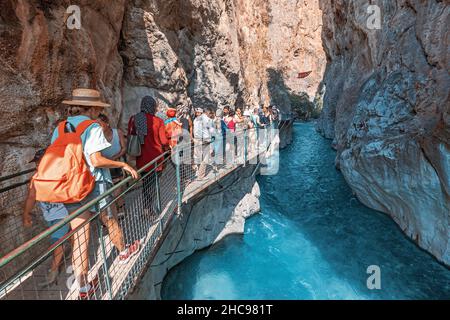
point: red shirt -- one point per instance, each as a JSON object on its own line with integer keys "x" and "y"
{"x": 154, "y": 143}
{"x": 231, "y": 125}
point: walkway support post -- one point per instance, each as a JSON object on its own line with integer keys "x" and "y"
{"x": 245, "y": 147}
{"x": 158, "y": 192}
{"x": 178, "y": 178}
{"x": 104, "y": 257}
{"x": 158, "y": 201}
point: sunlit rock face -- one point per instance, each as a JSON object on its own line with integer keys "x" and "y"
{"x": 41, "y": 60}
{"x": 217, "y": 53}
{"x": 387, "y": 109}
{"x": 203, "y": 53}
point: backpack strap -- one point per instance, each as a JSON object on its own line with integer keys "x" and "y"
{"x": 83, "y": 126}
{"x": 62, "y": 128}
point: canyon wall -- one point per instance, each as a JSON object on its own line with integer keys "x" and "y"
{"x": 387, "y": 108}
{"x": 220, "y": 53}
{"x": 202, "y": 53}
{"x": 41, "y": 60}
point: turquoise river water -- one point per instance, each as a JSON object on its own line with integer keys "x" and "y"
{"x": 312, "y": 240}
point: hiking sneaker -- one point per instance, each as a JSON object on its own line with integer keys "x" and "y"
{"x": 90, "y": 289}
{"x": 129, "y": 252}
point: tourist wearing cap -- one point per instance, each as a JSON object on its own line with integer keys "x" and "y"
{"x": 173, "y": 127}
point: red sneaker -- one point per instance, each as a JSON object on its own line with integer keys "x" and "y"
{"x": 93, "y": 287}
{"x": 129, "y": 252}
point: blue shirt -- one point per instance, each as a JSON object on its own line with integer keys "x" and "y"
{"x": 93, "y": 140}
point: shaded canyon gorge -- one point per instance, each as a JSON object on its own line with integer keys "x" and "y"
{"x": 384, "y": 90}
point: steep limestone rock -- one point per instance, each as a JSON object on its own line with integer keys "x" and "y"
{"x": 41, "y": 60}
{"x": 236, "y": 53}
{"x": 387, "y": 109}
{"x": 204, "y": 53}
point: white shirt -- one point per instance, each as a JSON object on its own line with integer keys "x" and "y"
{"x": 53, "y": 211}
{"x": 203, "y": 128}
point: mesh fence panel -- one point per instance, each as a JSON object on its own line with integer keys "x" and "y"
{"x": 106, "y": 252}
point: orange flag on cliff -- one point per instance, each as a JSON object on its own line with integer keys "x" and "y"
{"x": 302, "y": 75}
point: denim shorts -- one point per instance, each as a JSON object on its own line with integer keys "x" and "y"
{"x": 100, "y": 188}
{"x": 58, "y": 234}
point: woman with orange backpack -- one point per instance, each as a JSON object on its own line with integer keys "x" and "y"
{"x": 73, "y": 171}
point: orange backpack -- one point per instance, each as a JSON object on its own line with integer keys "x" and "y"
{"x": 63, "y": 176}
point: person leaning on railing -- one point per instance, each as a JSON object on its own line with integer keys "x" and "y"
{"x": 87, "y": 105}
{"x": 109, "y": 218}
{"x": 220, "y": 138}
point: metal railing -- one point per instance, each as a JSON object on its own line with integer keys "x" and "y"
{"x": 135, "y": 212}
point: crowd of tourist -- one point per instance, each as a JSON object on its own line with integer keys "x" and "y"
{"x": 85, "y": 158}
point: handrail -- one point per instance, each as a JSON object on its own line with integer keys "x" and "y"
{"x": 30, "y": 243}
{"x": 43, "y": 235}
{"x": 14, "y": 186}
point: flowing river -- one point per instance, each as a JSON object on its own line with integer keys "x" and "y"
{"x": 312, "y": 240}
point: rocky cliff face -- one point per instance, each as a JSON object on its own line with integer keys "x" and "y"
{"x": 387, "y": 109}
{"x": 204, "y": 53}
{"x": 386, "y": 103}
{"x": 41, "y": 60}
{"x": 217, "y": 53}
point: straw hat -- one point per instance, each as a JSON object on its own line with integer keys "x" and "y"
{"x": 86, "y": 97}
